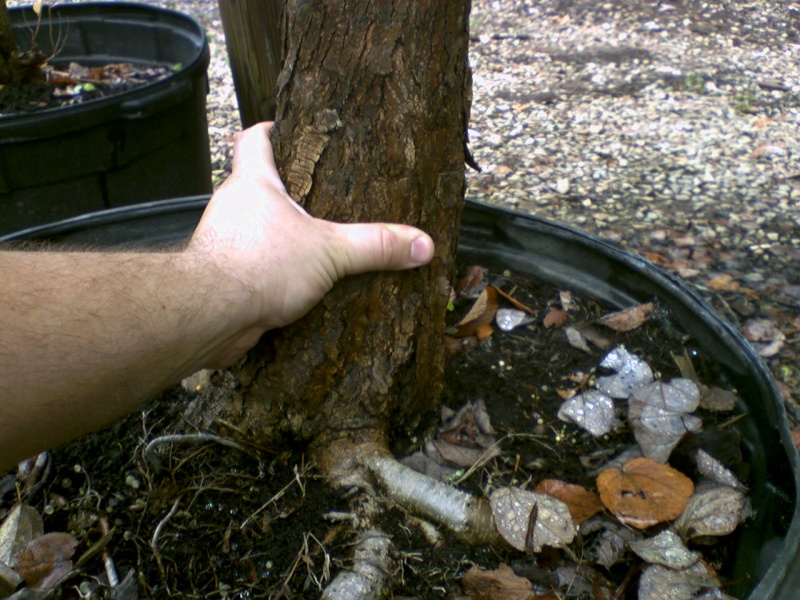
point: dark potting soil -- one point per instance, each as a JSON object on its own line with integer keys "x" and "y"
{"x": 202, "y": 519}
{"x": 67, "y": 85}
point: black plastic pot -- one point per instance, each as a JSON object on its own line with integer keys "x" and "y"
{"x": 767, "y": 557}
{"x": 137, "y": 146}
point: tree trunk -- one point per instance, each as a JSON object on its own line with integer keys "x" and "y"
{"x": 253, "y": 38}
{"x": 371, "y": 123}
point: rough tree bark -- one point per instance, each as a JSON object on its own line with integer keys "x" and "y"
{"x": 371, "y": 126}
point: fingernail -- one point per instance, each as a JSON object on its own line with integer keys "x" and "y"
{"x": 422, "y": 250}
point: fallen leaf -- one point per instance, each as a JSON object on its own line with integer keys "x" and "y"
{"x": 658, "y": 259}
{"x": 658, "y": 415}
{"x": 9, "y": 580}
{"x": 511, "y": 508}
{"x": 21, "y": 525}
{"x": 592, "y": 335}
{"x": 716, "y": 399}
{"x": 610, "y": 545}
{"x": 483, "y": 331}
{"x": 711, "y": 468}
{"x": 629, "y": 318}
{"x": 667, "y": 549}
{"x": 714, "y": 510}
{"x": 686, "y": 583}
{"x": 644, "y": 492}
{"x": 765, "y": 335}
{"x": 472, "y": 284}
{"x": 481, "y": 313}
{"x": 565, "y": 297}
{"x": 576, "y": 339}
{"x": 46, "y": 560}
{"x": 460, "y": 456}
{"x": 723, "y": 283}
{"x": 498, "y": 584}
{"x": 581, "y": 502}
{"x": 631, "y": 373}
{"x": 592, "y": 410}
{"x": 555, "y": 318}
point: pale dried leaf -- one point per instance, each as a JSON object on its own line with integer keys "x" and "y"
{"x": 667, "y": 549}
{"x": 630, "y": 373}
{"x": 592, "y": 335}
{"x": 433, "y": 468}
{"x": 716, "y": 399}
{"x": 460, "y": 456}
{"x": 37, "y": 6}
{"x": 9, "y": 580}
{"x": 565, "y": 297}
{"x": 466, "y": 426}
{"x": 512, "y": 508}
{"x": 592, "y": 411}
{"x": 714, "y": 510}
{"x": 611, "y": 543}
{"x": 710, "y": 467}
{"x": 576, "y": 340}
{"x": 629, "y": 318}
{"x": 765, "y": 336}
{"x": 662, "y": 583}
{"x": 658, "y": 415}
{"x": 21, "y": 525}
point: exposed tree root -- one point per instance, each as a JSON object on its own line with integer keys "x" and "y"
{"x": 369, "y": 577}
{"x": 372, "y": 468}
{"x": 467, "y": 517}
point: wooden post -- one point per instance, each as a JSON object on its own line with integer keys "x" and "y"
{"x": 253, "y": 37}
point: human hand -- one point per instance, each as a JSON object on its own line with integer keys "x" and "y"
{"x": 284, "y": 259}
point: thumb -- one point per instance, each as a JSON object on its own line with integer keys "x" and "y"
{"x": 382, "y": 246}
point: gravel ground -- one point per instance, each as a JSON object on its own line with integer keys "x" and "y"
{"x": 672, "y": 128}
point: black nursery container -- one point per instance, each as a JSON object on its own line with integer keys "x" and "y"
{"x": 141, "y": 145}
{"x": 766, "y": 562}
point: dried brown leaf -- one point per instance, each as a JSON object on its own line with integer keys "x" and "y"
{"x": 499, "y": 584}
{"x": 481, "y": 313}
{"x": 555, "y": 318}
{"x": 472, "y": 284}
{"x": 582, "y": 503}
{"x": 629, "y": 318}
{"x": 46, "y": 560}
{"x": 723, "y": 283}
{"x": 644, "y": 492}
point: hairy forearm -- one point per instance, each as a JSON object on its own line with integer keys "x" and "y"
{"x": 87, "y": 337}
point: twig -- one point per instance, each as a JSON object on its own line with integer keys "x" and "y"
{"x": 280, "y": 493}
